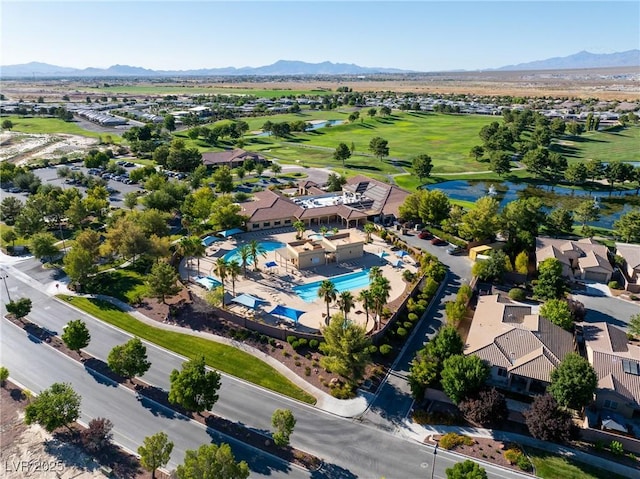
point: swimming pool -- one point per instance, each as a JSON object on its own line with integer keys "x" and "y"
{"x": 266, "y": 245}
{"x": 346, "y": 282}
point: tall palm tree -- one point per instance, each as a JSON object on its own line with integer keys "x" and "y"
{"x": 245, "y": 254}
{"x": 185, "y": 247}
{"x": 221, "y": 269}
{"x": 234, "y": 270}
{"x": 374, "y": 273}
{"x": 368, "y": 229}
{"x": 323, "y": 230}
{"x": 300, "y": 227}
{"x": 366, "y": 297}
{"x": 381, "y": 290}
{"x": 198, "y": 250}
{"x": 256, "y": 250}
{"x": 346, "y": 302}
{"x": 328, "y": 292}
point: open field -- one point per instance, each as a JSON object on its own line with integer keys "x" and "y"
{"x": 49, "y": 126}
{"x": 218, "y": 356}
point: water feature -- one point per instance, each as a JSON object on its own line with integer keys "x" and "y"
{"x": 266, "y": 245}
{"x": 611, "y": 206}
{"x": 314, "y": 126}
{"x": 345, "y": 282}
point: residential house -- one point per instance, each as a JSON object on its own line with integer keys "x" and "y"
{"x": 522, "y": 348}
{"x": 617, "y": 365}
{"x": 584, "y": 259}
{"x": 231, "y": 158}
{"x": 631, "y": 268}
{"x": 316, "y": 251}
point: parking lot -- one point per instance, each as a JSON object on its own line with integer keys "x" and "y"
{"x": 49, "y": 175}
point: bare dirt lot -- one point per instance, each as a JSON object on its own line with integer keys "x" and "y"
{"x": 21, "y": 148}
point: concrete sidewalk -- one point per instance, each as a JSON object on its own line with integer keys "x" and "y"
{"x": 419, "y": 433}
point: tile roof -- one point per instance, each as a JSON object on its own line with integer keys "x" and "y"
{"x": 590, "y": 252}
{"x": 593, "y": 260}
{"x": 509, "y": 336}
{"x": 611, "y": 376}
{"x": 268, "y": 205}
{"x": 630, "y": 253}
{"x": 386, "y": 198}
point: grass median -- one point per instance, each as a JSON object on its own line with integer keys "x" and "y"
{"x": 218, "y": 356}
{"x": 553, "y": 466}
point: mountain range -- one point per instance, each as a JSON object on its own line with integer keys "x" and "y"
{"x": 630, "y": 58}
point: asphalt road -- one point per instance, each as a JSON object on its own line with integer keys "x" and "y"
{"x": 393, "y": 402}
{"x": 350, "y": 448}
{"x": 605, "y": 308}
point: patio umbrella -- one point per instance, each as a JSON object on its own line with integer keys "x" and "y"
{"x": 289, "y": 313}
{"x": 248, "y": 301}
{"x": 209, "y": 240}
{"x": 396, "y": 263}
{"x": 271, "y": 264}
{"x": 402, "y": 253}
{"x": 382, "y": 254}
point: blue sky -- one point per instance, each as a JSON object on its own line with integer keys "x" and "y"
{"x": 416, "y": 35}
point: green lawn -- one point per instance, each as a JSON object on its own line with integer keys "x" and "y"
{"x": 124, "y": 284}
{"x": 218, "y": 356}
{"x": 50, "y": 126}
{"x": 549, "y": 466}
{"x": 617, "y": 143}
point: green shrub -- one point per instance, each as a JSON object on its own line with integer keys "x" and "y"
{"x": 401, "y": 332}
{"x": 291, "y": 339}
{"x": 342, "y": 392}
{"x": 302, "y": 342}
{"x": 412, "y": 317}
{"x": 373, "y": 349}
{"x": 524, "y": 463}
{"x": 286, "y": 353}
{"x": 307, "y": 371}
{"x": 272, "y": 342}
{"x": 385, "y": 349}
{"x": 512, "y": 455}
{"x": 452, "y": 439}
{"x": 617, "y": 448}
{"x": 517, "y": 294}
{"x": 313, "y": 344}
{"x": 614, "y": 285}
{"x": 407, "y": 325}
{"x": 295, "y": 344}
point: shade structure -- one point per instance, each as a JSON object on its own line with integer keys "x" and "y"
{"x": 248, "y": 301}
{"x": 382, "y": 254}
{"x": 401, "y": 254}
{"x": 208, "y": 282}
{"x": 613, "y": 424}
{"x": 289, "y": 313}
{"x": 231, "y": 232}
{"x": 396, "y": 263}
{"x": 271, "y": 264}
{"x": 209, "y": 240}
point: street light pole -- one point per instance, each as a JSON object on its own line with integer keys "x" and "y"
{"x": 4, "y": 277}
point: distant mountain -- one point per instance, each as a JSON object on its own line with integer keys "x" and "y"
{"x": 281, "y": 67}
{"x": 583, "y": 59}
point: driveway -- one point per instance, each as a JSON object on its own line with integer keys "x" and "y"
{"x": 607, "y": 308}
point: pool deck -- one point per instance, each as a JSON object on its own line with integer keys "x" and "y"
{"x": 275, "y": 284}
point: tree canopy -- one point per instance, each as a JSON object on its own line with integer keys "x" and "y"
{"x": 558, "y": 312}
{"x": 155, "y": 452}
{"x": 129, "y": 359}
{"x": 573, "y": 382}
{"x": 194, "y": 388}
{"x": 379, "y": 147}
{"x": 19, "y": 308}
{"x": 422, "y": 165}
{"x": 162, "y": 281}
{"x": 283, "y": 421}
{"x": 212, "y": 461}
{"x": 546, "y": 421}
{"x": 55, "y": 407}
{"x": 463, "y": 375}
{"x": 466, "y": 470}
{"x": 76, "y": 335}
{"x": 551, "y": 284}
{"x": 346, "y": 346}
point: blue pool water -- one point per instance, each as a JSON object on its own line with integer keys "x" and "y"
{"x": 346, "y": 282}
{"x": 266, "y": 245}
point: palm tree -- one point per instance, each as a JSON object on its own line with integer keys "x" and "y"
{"x": 323, "y": 230}
{"x": 381, "y": 289}
{"x": 198, "y": 250}
{"x": 233, "y": 268}
{"x": 221, "y": 269}
{"x": 328, "y": 292}
{"x": 346, "y": 303}
{"x": 300, "y": 227}
{"x": 374, "y": 273}
{"x": 368, "y": 229}
{"x": 256, "y": 249}
{"x": 185, "y": 247}
{"x": 245, "y": 253}
{"x": 366, "y": 297}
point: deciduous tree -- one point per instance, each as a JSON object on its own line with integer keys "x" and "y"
{"x": 546, "y": 421}
{"x": 194, "y": 388}
{"x": 466, "y": 470}
{"x": 422, "y": 165}
{"x": 379, "y": 147}
{"x": 162, "y": 281}
{"x": 487, "y": 407}
{"x": 10, "y": 209}
{"x": 79, "y": 265}
{"x": 482, "y": 222}
{"x": 155, "y": 452}
{"x": 342, "y": 153}
{"x": 97, "y": 437}
{"x": 557, "y": 311}
{"x": 43, "y": 245}
{"x": 551, "y": 284}
{"x": 463, "y": 375}
{"x": 573, "y": 382}
{"x": 628, "y": 226}
{"x": 283, "y": 422}
{"x": 55, "y": 407}
{"x": 212, "y": 461}
{"x": 76, "y": 335}
{"x": 129, "y": 359}
{"x": 19, "y": 308}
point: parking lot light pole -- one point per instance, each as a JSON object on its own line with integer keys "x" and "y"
{"x": 4, "y": 278}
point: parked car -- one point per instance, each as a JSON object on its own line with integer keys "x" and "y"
{"x": 453, "y": 249}
{"x": 425, "y": 234}
{"x": 437, "y": 241}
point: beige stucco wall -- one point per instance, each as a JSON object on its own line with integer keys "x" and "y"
{"x": 623, "y": 407}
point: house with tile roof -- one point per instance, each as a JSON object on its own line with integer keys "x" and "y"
{"x": 585, "y": 259}
{"x": 522, "y": 348}
{"x": 617, "y": 365}
{"x": 362, "y": 199}
{"x": 631, "y": 268}
{"x": 231, "y": 158}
